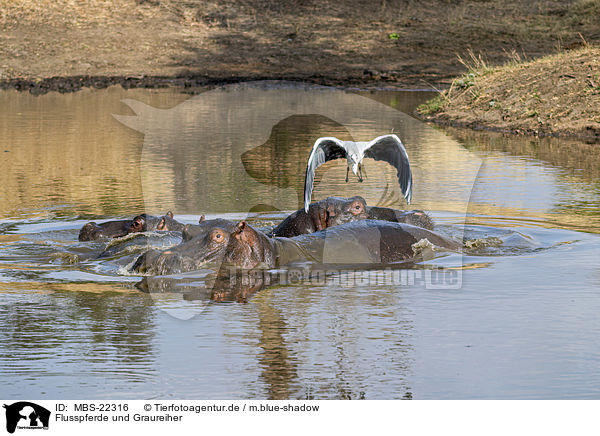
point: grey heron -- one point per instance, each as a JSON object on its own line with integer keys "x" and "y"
{"x": 387, "y": 148}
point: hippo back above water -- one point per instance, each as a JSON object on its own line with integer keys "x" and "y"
{"x": 413, "y": 217}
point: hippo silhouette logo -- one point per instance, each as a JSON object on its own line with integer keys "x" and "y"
{"x": 243, "y": 148}
{"x": 26, "y": 415}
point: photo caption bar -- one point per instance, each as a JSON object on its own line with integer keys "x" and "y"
{"x": 294, "y": 416}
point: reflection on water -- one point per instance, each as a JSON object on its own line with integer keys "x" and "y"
{"x": 555, "y": 179}
{"x": 281, "y": 160}
{"x": 278, "y": 368}
{"x": 83, "y": 336}
{"x": 66, "y": 151}
{"x": 523, "y": 325}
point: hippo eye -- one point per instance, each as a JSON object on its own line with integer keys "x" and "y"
{"x": 217, "y": 236}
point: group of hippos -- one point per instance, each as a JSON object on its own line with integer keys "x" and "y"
{"x": 343, "y": 222}
{"x": 334, "y": 230}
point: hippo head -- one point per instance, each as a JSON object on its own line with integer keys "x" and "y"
{"x": 212, "y": 243}
{"x": 342, "y": 210}
{"x": 110, "y": 229}
{"x": 145, "y": 222}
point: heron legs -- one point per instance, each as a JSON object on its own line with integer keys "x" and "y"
{"x": 359, "y": 175}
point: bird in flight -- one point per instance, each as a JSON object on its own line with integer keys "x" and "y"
{"x": 387, "y": 148}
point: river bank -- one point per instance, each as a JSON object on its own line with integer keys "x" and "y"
{"x": 557, "y": 95}
{"x": 65, "y": 45}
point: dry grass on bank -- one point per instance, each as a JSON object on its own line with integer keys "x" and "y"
{"x": 554, "y": 95}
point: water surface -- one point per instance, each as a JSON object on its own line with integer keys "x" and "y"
{"x": 523, "y": 323}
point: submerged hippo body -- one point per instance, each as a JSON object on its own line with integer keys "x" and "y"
{"x": 141, "y": 223}
{"x": 329, "y": 212}
{"x": 222, "y": 242}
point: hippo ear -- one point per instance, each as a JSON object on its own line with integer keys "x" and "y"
{"x": 201, "y": 219}
{"x": 240, "y": 227}
{"x": 169, "y": 214}
{"x": 162, "y": 225}
{"x": 319, "y": 219}
{"x": 242, "y": 232}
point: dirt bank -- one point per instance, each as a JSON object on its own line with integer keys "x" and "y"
{"x": 557, "y": 95}
{"x": 66, "y": 44}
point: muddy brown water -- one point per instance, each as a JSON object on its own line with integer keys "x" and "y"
{"x": 518, "y": 319}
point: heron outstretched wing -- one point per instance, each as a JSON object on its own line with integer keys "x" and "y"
{"x": 389, "y": 148}
{"x": 325, "y": 149}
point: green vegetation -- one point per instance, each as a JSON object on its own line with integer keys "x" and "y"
{"x": 433, "y": 106}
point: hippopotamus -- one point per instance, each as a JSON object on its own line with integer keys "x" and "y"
{"x": 221, "y": 242}
{"x": 334, "y": 211}
{"x": 329, "y": 212}
{"x": 110, "y": 229}
{"x": 141, "y": 223}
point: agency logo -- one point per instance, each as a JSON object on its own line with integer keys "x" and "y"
{"x": 253, "y": 141}
{"x": 26, "y": 415}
